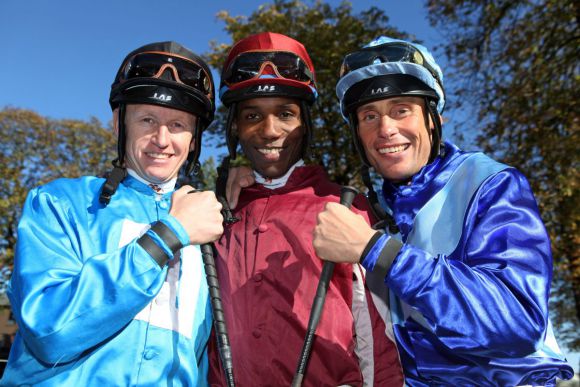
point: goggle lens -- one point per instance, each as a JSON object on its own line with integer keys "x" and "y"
{"x": 152, "y": 65}
{"x": 251, "y": 65}
{"x": 394, "y": 52}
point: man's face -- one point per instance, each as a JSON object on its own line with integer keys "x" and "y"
{"x": 158, "y": 140}
{"x": 393, "y": 134}
{"x": 271, "y": 134}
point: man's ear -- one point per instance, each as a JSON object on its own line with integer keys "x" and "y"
{"x": 116, "y": 121}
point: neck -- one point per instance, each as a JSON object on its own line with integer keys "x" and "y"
{"x": 160, "y": 188}
{"x": 273, "y": 183}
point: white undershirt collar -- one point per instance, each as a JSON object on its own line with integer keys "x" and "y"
{"x": 161, "y": 188}
{"x": 279, "y": 181}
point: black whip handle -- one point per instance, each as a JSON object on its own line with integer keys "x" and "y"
{"x": 223, "y": 340}
{"x": 347, "y": 195}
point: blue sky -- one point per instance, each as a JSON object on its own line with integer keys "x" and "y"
{"x": 59, "y": 57}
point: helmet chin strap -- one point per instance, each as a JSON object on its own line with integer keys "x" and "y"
{"x": 307, "y": 123}
{"x": 436, "y": 143}
{"x": 119, "y": 172}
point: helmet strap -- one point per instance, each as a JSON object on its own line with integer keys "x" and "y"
{"x": 307, "y": 124}
{"x": 385, "y": 220}
{"x": 193, "y": 166}
{"x": 231, "y": 137}
{"x": 121, "y": 135}
{"x": 353, "y": 124}
{"x": 437, "y": 145}
{"x": 220, "y": 187}
{"x": 119, "y": 172}
{"x": 112, "y": 182}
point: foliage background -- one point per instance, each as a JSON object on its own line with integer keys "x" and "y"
{"x": 512, "y": 85}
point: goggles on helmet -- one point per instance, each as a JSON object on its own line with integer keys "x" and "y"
{"x": 390, "y": 52}
{"x": 251, "y": 64}
{"x": 153, "y": 64}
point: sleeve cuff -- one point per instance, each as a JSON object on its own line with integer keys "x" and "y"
{"x": 163, "y": 240}
{"x": 178, "y": 229}
{"x": 381, "y": 254}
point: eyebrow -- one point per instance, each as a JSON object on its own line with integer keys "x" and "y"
{"x": 281, "y": 106}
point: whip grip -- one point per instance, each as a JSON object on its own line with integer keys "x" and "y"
{"x": 347, "y": 195}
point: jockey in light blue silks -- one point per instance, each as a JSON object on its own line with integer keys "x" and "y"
{"x": 108, "y": 286}
{"x": 463, "y": 266}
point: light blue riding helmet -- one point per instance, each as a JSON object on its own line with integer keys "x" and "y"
{"x": 385, "y": 68}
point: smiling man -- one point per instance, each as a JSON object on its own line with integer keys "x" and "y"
{"x": 464, "y": 266}
{"x": 267, "y": 267}
{"x": 108, "y": 285}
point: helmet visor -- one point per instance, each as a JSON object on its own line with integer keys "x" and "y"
{"x": 391, "y": 52}
{"x": 252, "y": 64}
{"x": 154, "y": 64}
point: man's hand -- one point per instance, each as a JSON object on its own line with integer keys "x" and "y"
{"x": 340, "y": 235}
{"x": 199, "y": 213}
{"x": 238, "y": 178}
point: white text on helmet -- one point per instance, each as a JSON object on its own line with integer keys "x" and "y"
{"x": 161, "y": 97}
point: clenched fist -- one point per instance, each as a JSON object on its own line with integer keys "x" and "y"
{"x": 340, "y": 235}
{"x": 199, "y": 213}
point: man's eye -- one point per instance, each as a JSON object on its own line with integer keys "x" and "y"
{"x": 401, "y": 112}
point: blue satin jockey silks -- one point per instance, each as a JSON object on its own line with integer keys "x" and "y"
{"x": 92, "y": 306}
{"x": 468, "y": 291}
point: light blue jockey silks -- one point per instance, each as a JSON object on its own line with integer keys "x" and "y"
{"x": 92, "y": 306}
{"x": 468, "y": 291}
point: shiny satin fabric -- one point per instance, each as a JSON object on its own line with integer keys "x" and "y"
{"x": 472, "y": 290}
{"x": 91, "y": 304}
{"x": 269, "y": 273}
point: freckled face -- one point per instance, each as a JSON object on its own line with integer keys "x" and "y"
{"x": 271, "y": 134}
{"x": 158, "y": 140}
{"x": 393, "y": 134}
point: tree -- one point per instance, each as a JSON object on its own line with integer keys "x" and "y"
{"x": 516, "y": 69}
{"x": 35, "y": 150}
{"x": 328, "y": 34}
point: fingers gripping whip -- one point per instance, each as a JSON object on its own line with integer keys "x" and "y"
{"x": 347, "y": 195}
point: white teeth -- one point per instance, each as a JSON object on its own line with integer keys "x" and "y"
{"x": 269, "y": 151}
{"x": 392, "y": 149}
{"x": 158, "y": 155}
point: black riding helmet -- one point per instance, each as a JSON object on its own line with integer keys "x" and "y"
{"x": 164, "y": 74}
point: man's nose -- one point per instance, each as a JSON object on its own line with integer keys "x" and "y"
{"x": 388, "y": 126}
{"x": 161, "y": 136}
{"x": 271, "y": 127}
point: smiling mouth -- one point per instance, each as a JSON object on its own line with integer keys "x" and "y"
{"x": 270, "y": 151}
{"x": 393, "y": 149}
{"x": 154, "y": 155}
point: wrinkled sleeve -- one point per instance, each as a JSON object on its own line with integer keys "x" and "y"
{"x": 377, "y": 353}
{"x": 64, "y": 301}
{"x": 490, "y": 296}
